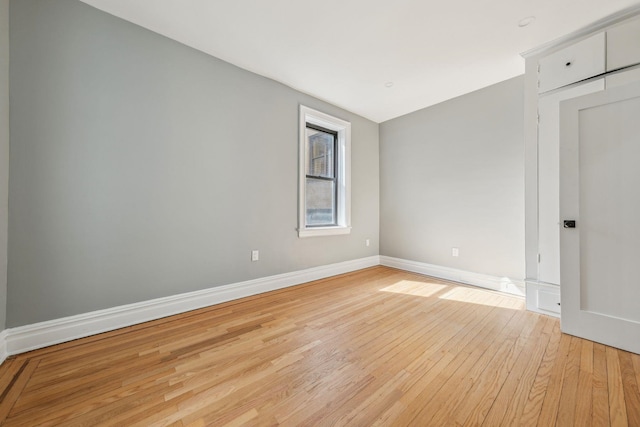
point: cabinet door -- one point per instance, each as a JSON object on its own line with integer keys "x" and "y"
{"x": 572, "y": 64}
{"x": 626, "y": 76}
{"x": 549, "y": 178}
{"x": 623, "y": 45}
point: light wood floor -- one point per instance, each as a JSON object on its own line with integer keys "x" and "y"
{"x": 375, "y": 347}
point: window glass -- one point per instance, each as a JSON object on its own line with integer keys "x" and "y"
{"x": 320, "y": 149}
{"x": 320, "y": 202}
{"x": 321, "y": 181}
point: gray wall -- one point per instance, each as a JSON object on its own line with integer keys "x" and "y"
{"x": 452, "y": 176}
{"x": 141, "y": 168}
{"x": 4, "y": 153}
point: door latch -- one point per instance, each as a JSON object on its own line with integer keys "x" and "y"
{"x": 569, "y": 223}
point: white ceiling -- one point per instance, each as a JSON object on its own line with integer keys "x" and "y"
{"x": 345, "y": 51}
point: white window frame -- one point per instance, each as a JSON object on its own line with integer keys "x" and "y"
{"x": 343, "y": 173}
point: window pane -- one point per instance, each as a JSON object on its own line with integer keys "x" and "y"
{"x": 320, "y": 202}
{"x": 320, "y": 153}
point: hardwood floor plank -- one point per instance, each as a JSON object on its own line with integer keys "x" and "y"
{"x": 375, "y": 347}
{"x": 630, "y": 388}
{"x": 439, "y": 361}
{"x": 636, "y": 367}
{"x": 600, "y": 393}
{"x": 549, "y": 411}
{"x": 483, "y": 354}
{"x": 384, "y": 396}
{"x": 584, "y": 396}
{"x": 488, "y": 392}
{"x": 617, "y": 407}
{"x": 439, "y": 411}
{"x": 14, "y": 390}
{"x": 537, "y": 393}
{"x": 512, "y": 397}
{"x": 8, "y": 371}
{"x": 567, "y": 403}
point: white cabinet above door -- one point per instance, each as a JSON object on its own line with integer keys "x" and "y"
{"x": 572, "y": 64}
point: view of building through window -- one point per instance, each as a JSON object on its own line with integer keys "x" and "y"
{"x": 321, "y": 178}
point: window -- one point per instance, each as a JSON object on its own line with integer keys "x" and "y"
{"x": 325, "y": 204}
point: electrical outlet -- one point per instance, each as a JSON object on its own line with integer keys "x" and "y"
{"x": 255, "y": 255}
{"x": 366, "y": 242}
{"x": 455, "y": 251}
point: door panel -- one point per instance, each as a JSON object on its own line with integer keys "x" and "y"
{"x": 600, "y": 189}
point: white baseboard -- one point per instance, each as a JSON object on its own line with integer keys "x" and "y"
{"x": 3, "y": 346}
{"x": 43, "y": 334}
{"x": 502, "y": 284}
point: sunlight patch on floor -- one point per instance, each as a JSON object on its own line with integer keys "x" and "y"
{"x": 477, "y": 296}
{"x": 451, "y": 292}
{"x": 409, "y": 287}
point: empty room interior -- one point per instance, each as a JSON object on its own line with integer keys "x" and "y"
{"x": 330, "y": 213}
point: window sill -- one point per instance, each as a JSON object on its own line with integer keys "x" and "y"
{"x": 323, "y": 231}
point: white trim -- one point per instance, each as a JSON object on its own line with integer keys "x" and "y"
{"x": 3, "y": 346}
{"x": 343, "y": 128}
{"x": 43, "y": 334}
{"x": 323, "y": 231}
{"x": 533, "y": 288}
{"x": 502, "y": 284}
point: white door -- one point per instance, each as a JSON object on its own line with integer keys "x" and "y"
{"x": 549, "y": 178}
{"x": 600, "y": 190}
